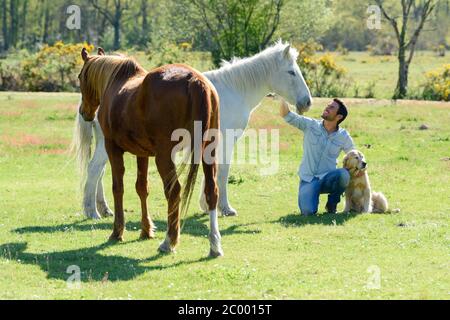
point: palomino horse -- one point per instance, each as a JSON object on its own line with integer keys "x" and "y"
{"x": 138, "y": 113}
{"x": 241, "y": 85}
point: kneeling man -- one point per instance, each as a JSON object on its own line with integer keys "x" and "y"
{"x": 323, "y": 142}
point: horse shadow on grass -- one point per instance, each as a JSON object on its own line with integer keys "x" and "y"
{"x": 93, "y": 266}
{"x": 327, "y": 219}
{"x": 195, "y": 225}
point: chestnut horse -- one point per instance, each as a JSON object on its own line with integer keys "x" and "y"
{"x": 138, "y": 112}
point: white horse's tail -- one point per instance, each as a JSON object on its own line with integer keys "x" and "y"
{"x": 81, "y": 145}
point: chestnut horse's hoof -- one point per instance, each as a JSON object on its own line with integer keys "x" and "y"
{"x": 116, "y": 238}
{"x": 165, "y": 247}
{"x": 146, "y": 235}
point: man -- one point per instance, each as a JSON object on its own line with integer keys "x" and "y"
{"x": 323, "y": 142}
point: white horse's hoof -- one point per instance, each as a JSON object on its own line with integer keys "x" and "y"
{"x": 105, "y": 211}
{"x": 93, "y": 215}
{"x": 216, "y": 254}
{"x": 228, "y": 211}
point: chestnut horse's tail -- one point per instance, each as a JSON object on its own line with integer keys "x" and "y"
{"x": 204, "y": 103}
{"x": 81, "y": 145}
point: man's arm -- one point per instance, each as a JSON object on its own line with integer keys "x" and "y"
{"x": 349, "y": 144}
{"x": 293, "y": 119}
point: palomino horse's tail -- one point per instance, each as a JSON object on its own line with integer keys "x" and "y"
{"x": 81, "y": 145}
{"x": 204, "y": 104}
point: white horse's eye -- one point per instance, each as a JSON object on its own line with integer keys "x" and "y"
{"x": 292, "y": 73}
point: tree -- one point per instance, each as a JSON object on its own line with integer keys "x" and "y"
{"x": 407, "y": 44}
{"x": 299, "y": 20}
{"x": 239, "y": 27}
{"x": 5, "y": 26}
{"x": 114, "y": 17}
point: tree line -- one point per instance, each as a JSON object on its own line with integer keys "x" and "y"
{"x": 228, "y": 27}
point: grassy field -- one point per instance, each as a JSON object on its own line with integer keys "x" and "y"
{"x": 271, "y": 252}
{"x": 375, "y": 76}
{"x": 381, "y": 72}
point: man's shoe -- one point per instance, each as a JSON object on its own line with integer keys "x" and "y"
{"x": 331, "y": 208}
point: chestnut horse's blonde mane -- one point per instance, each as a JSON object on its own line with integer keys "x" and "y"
{"x": 100, "y": 71}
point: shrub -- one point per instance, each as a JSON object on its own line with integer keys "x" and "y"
{"x": 10, "y": 71}
{"x": 384, "y": 46}
{"x": 437, "y": 85}
{"x": 9, "y": 76}
{"x": 161, "y": 52}
{"x": 323, "y": 76}
{"x": 54, "y": 68}
{"x": 440, "y": 50}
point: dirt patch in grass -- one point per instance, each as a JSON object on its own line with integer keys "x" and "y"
{"x": 22, "y": 140}
{"x": 30, "y": 140}
{"x": 27, "y": 104}
{"x": 11, "y": 113}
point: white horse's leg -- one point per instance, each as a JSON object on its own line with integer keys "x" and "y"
{"x": 222, "y": 183}
{"x": 225, "y": 158}
{"x": 203, "y": 203}
{"x": 102, "y": 205}
{"x": 226, "y": 147}
{"x": 94, "y": 174}
{"x": 89, "y": 192}
{"x": 214, "y": 235}
{"x": 222, "y": 180}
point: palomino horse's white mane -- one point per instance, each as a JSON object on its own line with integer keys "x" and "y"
{"x": 247, "y": 73}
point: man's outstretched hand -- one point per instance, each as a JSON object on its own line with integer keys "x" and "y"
{"x": 284, "y": 108}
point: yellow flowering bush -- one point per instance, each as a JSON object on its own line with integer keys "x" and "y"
{"x": 437, "y": 85}
{"x": 322, "y": 74}
{"x": 54, "y": 68}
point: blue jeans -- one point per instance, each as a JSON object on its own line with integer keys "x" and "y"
{"x": 333, "y": 184}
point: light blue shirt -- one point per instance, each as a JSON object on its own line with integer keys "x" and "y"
{"x": 320, "y": 149}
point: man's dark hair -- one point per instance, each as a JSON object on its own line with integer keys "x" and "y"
{"x": 342, "y": 110}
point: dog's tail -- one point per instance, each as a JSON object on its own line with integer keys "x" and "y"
{"x": 380, "y": 203}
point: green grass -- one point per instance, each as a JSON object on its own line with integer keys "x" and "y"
{"x": 270, "y": 250}
{"x": 381, "y": 72}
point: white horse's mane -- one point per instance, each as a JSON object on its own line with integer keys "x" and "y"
{"x": 247, "y": 73}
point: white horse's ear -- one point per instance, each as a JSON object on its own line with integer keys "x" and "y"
{"x": 287, "y": 52}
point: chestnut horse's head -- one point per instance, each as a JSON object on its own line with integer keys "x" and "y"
{"x": 90, "y": 99}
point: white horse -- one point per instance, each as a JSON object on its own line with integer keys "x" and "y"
{"x": 241, "y": 84}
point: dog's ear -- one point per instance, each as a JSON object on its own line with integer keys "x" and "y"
{"x": 344, "y": 163}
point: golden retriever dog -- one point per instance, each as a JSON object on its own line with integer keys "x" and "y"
{"x": 358, "y": 195}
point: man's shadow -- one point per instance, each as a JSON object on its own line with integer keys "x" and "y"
{"x": 93, "y": 265}
{"x": 298, "y": 220}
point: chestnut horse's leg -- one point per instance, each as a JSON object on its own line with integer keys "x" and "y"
{"x": 142, "y": 190}
{"x": 211, "y": 195}
{"x": 172, "y": 189}
{"x": 115, "y": 155}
